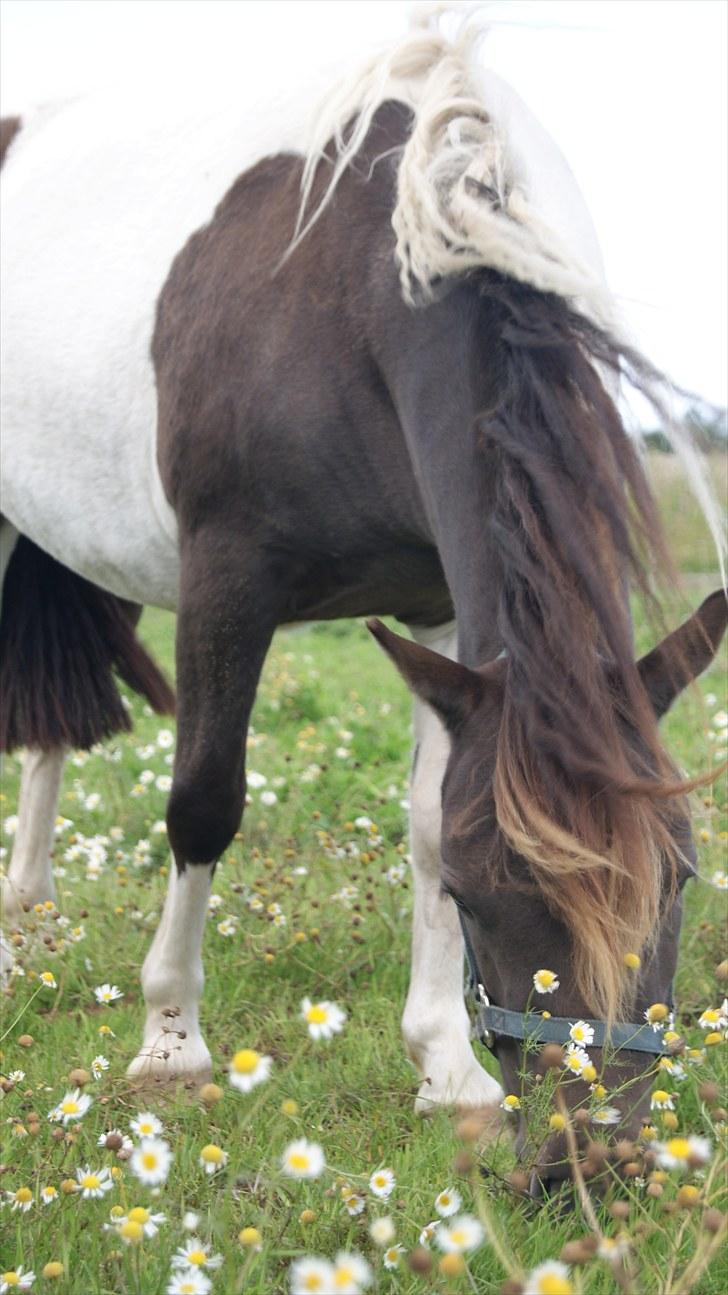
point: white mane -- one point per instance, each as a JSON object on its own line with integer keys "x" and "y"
{"x": 462, "y": 196}
{"x": 465, "y": 191}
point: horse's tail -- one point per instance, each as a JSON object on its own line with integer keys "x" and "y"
{"x": 61, "y": 641}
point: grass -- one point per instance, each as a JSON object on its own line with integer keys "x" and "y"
{"x": 331, "y": 735}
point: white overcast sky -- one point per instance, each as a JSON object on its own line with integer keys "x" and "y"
{"x": 634, "y": 92}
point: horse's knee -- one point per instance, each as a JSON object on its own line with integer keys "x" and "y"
{"x": 203, "y": 815}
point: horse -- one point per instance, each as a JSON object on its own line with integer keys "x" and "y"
{"x": 260, "y": 377}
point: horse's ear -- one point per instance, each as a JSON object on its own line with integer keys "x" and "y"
{"x": 452, "y": 690}
{"x": 684, "y": 654}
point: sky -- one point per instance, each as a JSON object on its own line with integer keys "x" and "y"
{"x": 633, "y": 91}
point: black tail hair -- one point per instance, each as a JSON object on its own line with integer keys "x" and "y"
{"x": 61, "y": 639}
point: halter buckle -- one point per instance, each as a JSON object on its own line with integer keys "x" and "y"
{"x": 487, "y": 1038}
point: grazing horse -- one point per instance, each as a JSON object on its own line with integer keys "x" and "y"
{"x": 262, "y": 378}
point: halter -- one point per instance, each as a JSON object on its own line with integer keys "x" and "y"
{"x": 492, "y": 1023}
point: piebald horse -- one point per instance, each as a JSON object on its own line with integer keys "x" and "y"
{"x": 262, "y": 376}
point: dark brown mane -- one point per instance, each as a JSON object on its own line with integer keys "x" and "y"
{"x": 574, "y": 524}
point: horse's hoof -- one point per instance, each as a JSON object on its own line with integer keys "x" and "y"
{"x": 474, "y": 1090}
{"x": 183, "y": 1062}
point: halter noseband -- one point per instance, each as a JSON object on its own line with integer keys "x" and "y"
{"x": 493, "y": 1022}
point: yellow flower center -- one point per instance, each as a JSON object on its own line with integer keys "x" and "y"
{"x": 196, "y": 1257}
{"x": 710, "y": 1015}
{"x": 23, "y": 1195}
{"x": 444, "y": 1198}
{"x": 249, "y": 1237}
{"x": 150, "y": 1160}
{"x": 343, "y": 1277}
{"x": 316, "y": 1015}
{"x": 657, "y": 1012}
{"x": 91, "y": 1181}
{"x": 11, "y": 1279}
{"x": 312, "y": 1282}
{"x": 512, "y": 1102}
{"x": 660, "y": 1096}
{"x": 589, "y": 1073}
{"x": 679, "y": 1148}
{"x": 577, "y": 1033}
{"x": 553, "y": 1284}
{"x": 212, "y": 1154}
{"x": 69, "y": 1107}
{"x": 545, "y": 978}
{"x": 458, "y": 1237}
{"x": 139, "y": 1214}
{"x": 49, "y": 1191}
{"x": 574, "y": 1063}
{"x": 298, "y": 1160}
{"x": 131, "y": 1230}
{"x": 713, "y": 1037}
{"x": 632, "y": 960}
{"x": 245, "y": 1061}
{"x": 557, "y": 1122}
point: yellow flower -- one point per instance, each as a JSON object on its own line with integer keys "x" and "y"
{"x": 132, "y": 1231}
{"x": 289, "y": 1107}
{"x": 511, "y": 1102}
{"x": 714, "y": 1037}
{"x": 656, "y": 1013}
{"x": 53, "y": 1269}
{"x": 249, "y": 1237}
{"x": 632, "y": 961}
{"x": 557, "y": 1122}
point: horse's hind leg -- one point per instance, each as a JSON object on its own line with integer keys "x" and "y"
{"x": 225, "y": 623}
{"x": 30, "y": 880}
{"x": 435, "y": 1023}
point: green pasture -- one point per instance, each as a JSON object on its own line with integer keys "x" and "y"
{"x": 330, "y": 735}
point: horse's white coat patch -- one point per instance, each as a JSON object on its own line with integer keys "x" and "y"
{"x": 99, "y": 196}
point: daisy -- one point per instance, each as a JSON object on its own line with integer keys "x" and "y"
{"x": 658, "y": 1015}
{"x": 575, "y": 1059}
{"x": 21, "y": 1200}
{"x": 16, "y": 1280}
{"x": 511, "y": 1102}
{"x": 73, "y": 1107}
{"x": 189, "y": 1282}
{"x": 683, "y": 1153}
{"x": 213, "y": 1158}
{"x": 354, "y": 1201}
{"x": 448, "y": 1202}
{"x": 48, "y": 1195}
{"x": 381, "y": 1230}
{"x": 550, "y": 1278}
{"x": 582, "y": 1034}
{"x": 228, "y": 926}
{"x": 194, "y": 1254}
{"x": 720, "y": 879}
{"x": 146, "y": 1125}
{"x": 428, "y": 1232}
{"x": 148, "y": 1222}
{"x": 99, "y": 1065}
{"x": 661, "y": 1101}
{"x": 392, "y": 1256}
{"x": 191, "y": 1221}
{"x": 150, "y": 1161}
{"x": 613, "y": 1248}
{"x": 302, "y": 1159}
{"x": 94, "y": 1183}
{"x": 606, "y": 1115}
{"x": 545, "y": 982}
{"x": 311, "y": 1276}
{"x": 351, "y": 1274}
{"x": 713, "y": 1018}
{"x": 48, "y": 979}
{"x": 323, "y": 1019}
{"x": 463, "y": 1234}
{"x": 107, "y": 993}
{"x": 248, "y": 1069}
{"x": 382, "y": 1183}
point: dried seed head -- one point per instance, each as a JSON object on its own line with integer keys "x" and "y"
{"x": 619, "y": 1210}
{"x": 420, "y": 1260}
{"x": 551, "y": 1057}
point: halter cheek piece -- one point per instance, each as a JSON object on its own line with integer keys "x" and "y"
{"x": 492, "y": 1023}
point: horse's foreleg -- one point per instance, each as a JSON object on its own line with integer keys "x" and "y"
{"x": 224, "y": 628}
{"x": 435, "y": 1023}
{"x": 30, "y": 880}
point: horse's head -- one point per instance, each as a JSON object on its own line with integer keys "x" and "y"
{"x": 532, "y": 898}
